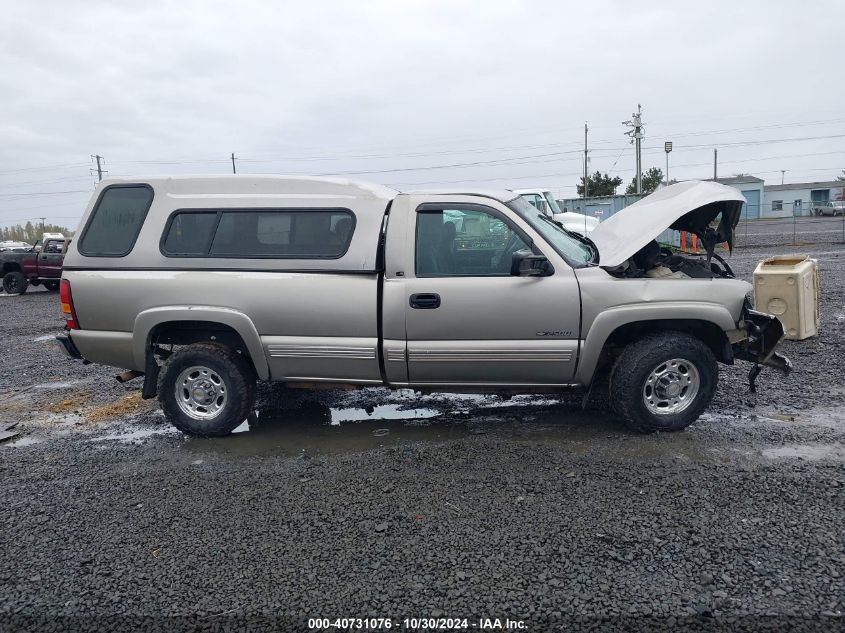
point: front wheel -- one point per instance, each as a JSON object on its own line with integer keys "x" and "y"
{"x": 206, "y": 390}
{"x": 663, "y": 382}
{"x": 14, "y": 283}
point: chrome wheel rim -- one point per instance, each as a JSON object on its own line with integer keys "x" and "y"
{"x": 671, "y": 387}
{"x": 201, "y": 393}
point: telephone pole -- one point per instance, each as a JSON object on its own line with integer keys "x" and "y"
{"x": 715, "y": 163}
{"x": 636, "y": 134}
{"x": 42, "y": 225}
{"x": 100, "y": 171}
{"x": 586, "y": 175}
{"x": 234, "y": 171}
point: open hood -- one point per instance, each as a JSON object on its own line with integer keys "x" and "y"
{"x": 685, "y": 206}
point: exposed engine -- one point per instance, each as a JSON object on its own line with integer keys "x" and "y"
{"x": 660, "y": 262}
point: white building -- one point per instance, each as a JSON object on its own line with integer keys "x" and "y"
{"x": 798, "y": 198}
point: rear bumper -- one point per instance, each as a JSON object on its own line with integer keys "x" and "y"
{"x": 67, "y": 346}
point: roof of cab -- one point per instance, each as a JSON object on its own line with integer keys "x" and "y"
{"x": 256, "y": 184}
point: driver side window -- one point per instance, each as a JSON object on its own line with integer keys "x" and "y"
{"x": 464, "y": 242}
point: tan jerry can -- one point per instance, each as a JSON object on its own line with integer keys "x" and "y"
{"x": 788, "y": 287}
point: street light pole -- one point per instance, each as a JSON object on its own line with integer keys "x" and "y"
{"x": 667, "y": 146}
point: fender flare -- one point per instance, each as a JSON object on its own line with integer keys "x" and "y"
{"x": 238, "y": 321}
{"x": 611, "y": 319}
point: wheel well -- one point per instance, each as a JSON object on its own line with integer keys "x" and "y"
{"x": 188, "y": 332}
{"x": 709, "y": 333}
{"x": 11, "y": 267}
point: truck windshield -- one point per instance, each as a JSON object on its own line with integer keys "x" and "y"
{"x": 553, "y": 205}
{"x": 574, "y": 249}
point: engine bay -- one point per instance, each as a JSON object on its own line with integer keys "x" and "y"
{"x": 660, "y": 262}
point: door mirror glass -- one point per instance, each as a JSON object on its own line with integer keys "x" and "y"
{"x": 527, "y": 264}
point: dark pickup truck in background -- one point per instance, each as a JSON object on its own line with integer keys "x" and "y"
{"x": 42, "y": 264}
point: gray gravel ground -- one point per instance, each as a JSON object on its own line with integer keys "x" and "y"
{"x": 430, "y": 506}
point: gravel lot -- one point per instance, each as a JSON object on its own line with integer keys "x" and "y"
{"x": 378, "y": 504}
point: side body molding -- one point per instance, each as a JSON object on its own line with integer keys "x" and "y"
{"x": 610, "y": 319}
{"x": 238, "y": 321}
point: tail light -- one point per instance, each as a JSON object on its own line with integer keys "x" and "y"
{"x": 66, "y": 298}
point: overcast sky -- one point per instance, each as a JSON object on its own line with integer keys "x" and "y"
{"x": 412, "y": 92}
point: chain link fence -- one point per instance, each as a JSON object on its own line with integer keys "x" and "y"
{"x": 809, "y": 223}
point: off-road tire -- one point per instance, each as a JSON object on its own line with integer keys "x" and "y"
{"x": 14, "y": 283}
{"x": 51, "y": 286}
{"x": 233, "y": 369}
{"x": 635, "y": 364}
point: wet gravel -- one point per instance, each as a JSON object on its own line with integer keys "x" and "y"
{"x": 466, "y": 508}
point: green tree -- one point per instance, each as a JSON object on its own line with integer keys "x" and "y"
{"x": 599, "y": 184}
{"x": 651, "y": 180}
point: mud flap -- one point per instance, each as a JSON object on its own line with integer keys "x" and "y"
{"x": 151, "y": 371}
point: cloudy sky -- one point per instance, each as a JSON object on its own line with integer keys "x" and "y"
{"x": 412, "y": 93}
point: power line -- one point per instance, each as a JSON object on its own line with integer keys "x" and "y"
{"x": 43, "y": 168}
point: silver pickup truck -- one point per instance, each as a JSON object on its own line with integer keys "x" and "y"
{"x": 204, "y": 285}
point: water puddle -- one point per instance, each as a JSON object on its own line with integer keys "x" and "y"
{"x": 329, "y": 431}
{"x": 132, "y": 437}
{"x": 809, "y": 452}
{"x": 26, "y": 440}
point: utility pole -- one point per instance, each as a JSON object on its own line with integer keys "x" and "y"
{"x": 234, "y": 171}
{"x": 100, "y": 170}
{"x": 636, "y": 134}
{"x": 586, "y": 175}
{"x": 782, "y": 174}
{"x": 42, "y": 225}
{"x": 715, "y": 163}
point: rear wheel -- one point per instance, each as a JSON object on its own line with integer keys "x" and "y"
{"x": 206, "y": 389}
{"x": 15, "y": 283}
{"x": 52, "y": 286}
{"x": 663, "y": 382}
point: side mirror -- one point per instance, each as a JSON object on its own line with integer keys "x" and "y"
{"x": 526, "y": 264}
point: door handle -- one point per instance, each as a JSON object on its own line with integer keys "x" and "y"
{"x": 425, "y": 301}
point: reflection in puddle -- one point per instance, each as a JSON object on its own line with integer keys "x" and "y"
{"x": 810, "y": 452}
{"x": 316, "y": 430}
{"x": 381, "y": 412}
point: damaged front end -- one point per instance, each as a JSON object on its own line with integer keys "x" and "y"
{"x": 762, "y": 333}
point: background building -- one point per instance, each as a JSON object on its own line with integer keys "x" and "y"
{"x": 762, "y": 200}
{"x": 798, "y": 198}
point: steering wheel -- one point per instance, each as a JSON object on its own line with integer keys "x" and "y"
{"x": 506, "y": 257}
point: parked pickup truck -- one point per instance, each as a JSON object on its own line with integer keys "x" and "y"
{"x": 834, "y": 208}
{"x": 40, "y": 264}
{"x": 543, "y": 200}
{"x": 205, "y": 285}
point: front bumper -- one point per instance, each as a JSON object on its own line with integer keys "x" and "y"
{"x": 67, "y": 346}
{"x": 764, "y": 333}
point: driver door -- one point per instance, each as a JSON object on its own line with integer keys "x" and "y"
{"x": 50, "y": 259}
{"x": 467, "y": 320}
